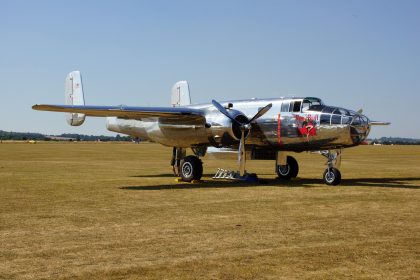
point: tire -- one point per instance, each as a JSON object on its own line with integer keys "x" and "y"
{"x": 332, "y": 176}
{"x": 191, "y": 169}
{"x": 288, "y": 171}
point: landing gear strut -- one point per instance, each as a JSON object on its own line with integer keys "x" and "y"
{"x": 286, "y": 167}
{"x": 177, "y": 155}
{"x": 332, "y": 175}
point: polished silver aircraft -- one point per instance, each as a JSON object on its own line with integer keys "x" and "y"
{"x": 268, "y": 129}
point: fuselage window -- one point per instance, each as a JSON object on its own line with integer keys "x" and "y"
{"x": 325, "y": 119}
{"x": 296, "y": 106}
{"x": 347, "y": 119}
{"x": 285, "y": 106}
{"x": 336, "y": 119}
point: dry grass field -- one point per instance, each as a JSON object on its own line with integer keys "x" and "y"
{"x": 114, "y": 211}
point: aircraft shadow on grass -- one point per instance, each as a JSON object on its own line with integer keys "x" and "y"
{"x": 404, "y": 183}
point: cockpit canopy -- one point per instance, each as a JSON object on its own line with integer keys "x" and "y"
{"x": 329, "y": 114}
{"x": 300, "y": 105}
{"x": 337, "y": 115}
{"x": 309, "y": 102}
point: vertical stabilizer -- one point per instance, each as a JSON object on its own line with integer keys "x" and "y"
{"x": 74, "y": 96}
{"x": 180, "y": 95}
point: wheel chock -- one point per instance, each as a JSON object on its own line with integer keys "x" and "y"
{"x": 196, "y": 181}
{"x": 179, "y": 180}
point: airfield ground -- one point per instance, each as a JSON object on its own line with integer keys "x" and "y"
{"x": 104, "y": 210}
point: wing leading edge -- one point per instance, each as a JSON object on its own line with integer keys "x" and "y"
{"x": 127, "y": 112}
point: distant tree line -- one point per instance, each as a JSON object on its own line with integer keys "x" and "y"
{"x": 5, "y": 135}
{"x": 396, "y": 141}
{"x": 82, "y": 137}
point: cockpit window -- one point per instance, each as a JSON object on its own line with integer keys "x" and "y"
{"x": 342, "y": 112}
{"x": 309, "y": 102}
{"x": 328, "y": 110}
{"x": 305, "y": 105}
{"x": 316, "y": 108}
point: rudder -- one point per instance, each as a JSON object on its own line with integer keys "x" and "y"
{"x": 180, "y": 94}
{"x": 74, "y": 96}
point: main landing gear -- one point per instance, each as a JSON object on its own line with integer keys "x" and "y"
{"x": 189, "y": 168}
{"x": 288, "y": 168}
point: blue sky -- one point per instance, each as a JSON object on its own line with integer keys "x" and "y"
{"x": 353, "y": 54}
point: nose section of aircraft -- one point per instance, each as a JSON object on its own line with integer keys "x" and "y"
{"x": 359, "y": 127}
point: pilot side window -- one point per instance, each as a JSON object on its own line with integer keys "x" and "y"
{"x": 285, "y": 106}
{"x": 325, "y": 119}
{"x": 305, "y": 105}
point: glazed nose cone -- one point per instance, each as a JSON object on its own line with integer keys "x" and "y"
{"x": 359, "y": 128}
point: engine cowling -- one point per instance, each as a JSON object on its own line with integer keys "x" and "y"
{"x": 225, "y": 132}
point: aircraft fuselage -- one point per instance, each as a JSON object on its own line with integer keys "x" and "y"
{"x": 295, "y": 124}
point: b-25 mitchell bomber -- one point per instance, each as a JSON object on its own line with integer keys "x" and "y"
{"x": 269, "y": 129}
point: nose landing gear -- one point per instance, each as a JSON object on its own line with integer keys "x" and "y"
{"x": 332, "y": 175}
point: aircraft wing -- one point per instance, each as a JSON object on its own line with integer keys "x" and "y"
{"x": 127, "y": 112}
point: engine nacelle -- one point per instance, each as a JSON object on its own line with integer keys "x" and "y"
{"x": 225, "y": 132}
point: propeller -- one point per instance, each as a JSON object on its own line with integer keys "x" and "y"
{"x": 244, "y": 126}
{"x": 370, "y": 122}
{"x": 378, "y": 123}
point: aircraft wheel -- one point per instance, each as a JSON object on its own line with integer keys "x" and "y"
{"x": 290, "y": 170}
{"x": 332, "y": 176}
{"x": 191, "y": 169}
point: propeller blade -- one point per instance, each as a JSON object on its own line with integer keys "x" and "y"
{"x": 241, "y": 154}
{"x": 244, "y": 126}
{"x": 261, "y": 112}
{"x": 223, "y": 111}
{"x": 379, "y": 123}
